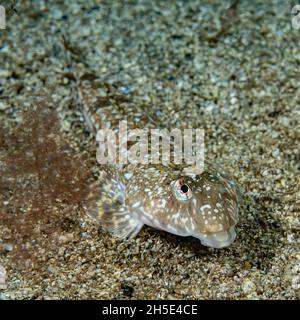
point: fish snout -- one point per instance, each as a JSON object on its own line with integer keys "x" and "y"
{"x": 219, "y": 239}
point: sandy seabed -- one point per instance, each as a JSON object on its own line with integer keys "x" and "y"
{"x": 235, "y": 74}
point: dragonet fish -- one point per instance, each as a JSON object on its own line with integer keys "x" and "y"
{"x": 164, "y": 197}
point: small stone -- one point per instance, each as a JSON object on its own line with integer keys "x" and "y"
{"x": 247, "y": 265}
{"x": 57, "y": 14}
{"x": 249, "y": 286}
{"x": 276, "y": 153}
{"x": 6, "y": 247}
{"x": 3, "y": 106}
{"x": 3, "y": 296}
{"x": 52, "y": 269}
{"x": 265, "y": 173}
{"x": 169, "y": 297}
{"x": 85, "y": 235}
{"x": 5, "y": 73}
{"x": 64, "y": 238}
{"x": 61, "y": 251}
{"x": 125, "y": 90}
{"x": 127, "y": 290}
{"x": 296, "y": 282}
{"x": 285, "y": 121}
{"x": 190, "y": 255}
{"x": 296, "y": 224}
{"x": 291, "y": 238}
{"x": 2, "y": 277}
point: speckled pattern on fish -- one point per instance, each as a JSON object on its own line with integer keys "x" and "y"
{"x": 164, "y": 197}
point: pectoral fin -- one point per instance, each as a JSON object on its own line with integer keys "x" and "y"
{"x": 106, "y": 204}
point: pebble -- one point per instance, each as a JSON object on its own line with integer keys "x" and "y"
{"x": 247, "y": 265}
{"x": 3, "y": 297}
{"x": 2, "y": 277}
{"x": 52, "y": 269}
{"x": 291, "y": 238}
{"x": 3, "y": 106}
{"x": 5, "y": 73}
{"x": 127, "y": 290}
{"x": 125, "y": 90}
{"x": 276, "y": 153}
{"x": 249, "y": 287}
{"x": 57, "y": 14}
{"x": 64, "y": 238}
{"x": 296, "y": 282}
{"x": 6, "y": 247}
{"x": 61, "y": 251}
{"x": 85, "y": 235}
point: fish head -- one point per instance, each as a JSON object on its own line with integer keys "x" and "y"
{"x": 204, "y": 205}
{"x": 211, "y": 202}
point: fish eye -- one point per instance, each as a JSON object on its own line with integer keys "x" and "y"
{"x": 181, "y": 190}
{"x": 184, "y": 188}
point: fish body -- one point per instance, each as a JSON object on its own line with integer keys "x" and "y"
{"x": 165, "y": 197}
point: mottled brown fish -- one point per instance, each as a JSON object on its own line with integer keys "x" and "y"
{"x": 126, "y": 197}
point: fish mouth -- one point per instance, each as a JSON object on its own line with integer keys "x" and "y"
{"x": 219, "y": 239}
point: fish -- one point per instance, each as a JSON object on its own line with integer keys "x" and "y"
{"x": 165, "y": 197}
